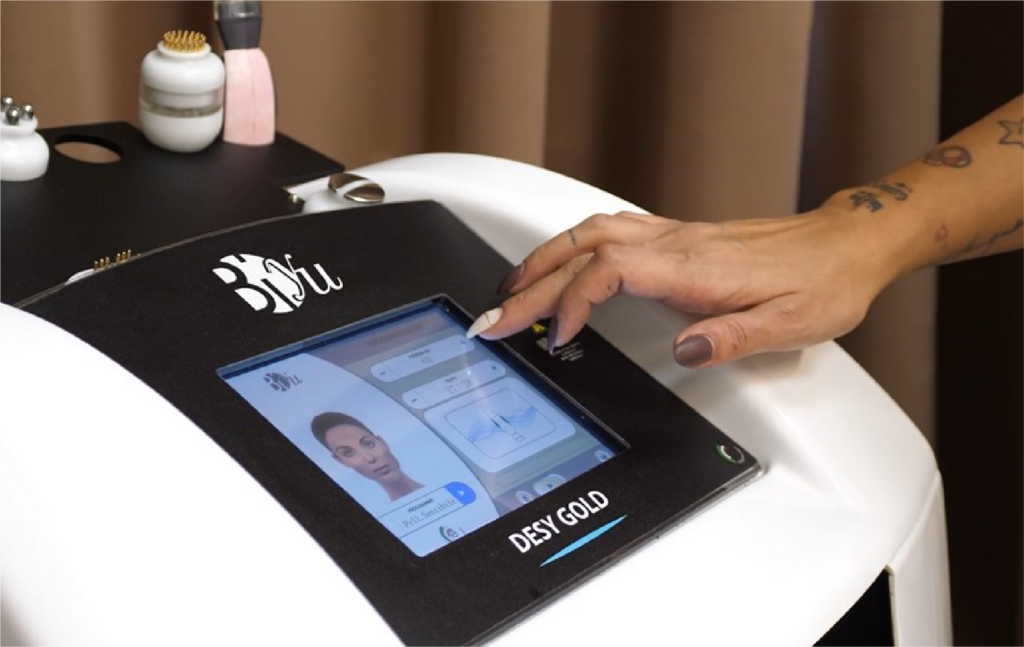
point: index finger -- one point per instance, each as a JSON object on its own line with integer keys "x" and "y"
{"x": 528, "y": 306}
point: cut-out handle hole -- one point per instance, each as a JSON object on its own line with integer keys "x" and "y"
{"x": 92, "y": 151}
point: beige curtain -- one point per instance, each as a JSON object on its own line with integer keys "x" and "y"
{"x": 695, "y": 110}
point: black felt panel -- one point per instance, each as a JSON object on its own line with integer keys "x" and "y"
{"x": 79, "y": 212}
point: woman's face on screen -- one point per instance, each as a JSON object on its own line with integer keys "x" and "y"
{"x": 364, "y": 452}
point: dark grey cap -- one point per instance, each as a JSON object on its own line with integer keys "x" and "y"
{"x": 228, "y": 9}
{"x": 239, "y": 23}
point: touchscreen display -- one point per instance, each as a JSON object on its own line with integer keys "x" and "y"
{"x": 435, "y": 435}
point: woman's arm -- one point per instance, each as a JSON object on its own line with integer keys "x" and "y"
{"x": 782, "y": 283}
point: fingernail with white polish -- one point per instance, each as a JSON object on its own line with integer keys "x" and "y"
{"x": 483, "y": 322}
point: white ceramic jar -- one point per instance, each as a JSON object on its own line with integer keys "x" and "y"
{"x": 181, "y": 93}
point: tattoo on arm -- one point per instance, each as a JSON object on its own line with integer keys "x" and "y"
{"x": 872, "y": 200}
{"x": 952, "y": 156}
{"x": 898, "y": 190}
{"x": 866, "y": 198}
{"x": 985, "y": 245}
{"x": 1014, "y": 133}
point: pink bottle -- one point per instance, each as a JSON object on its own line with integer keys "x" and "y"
{"x": 249, "y": 86}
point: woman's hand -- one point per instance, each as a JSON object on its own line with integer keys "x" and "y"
{"x": 762, "y": 285}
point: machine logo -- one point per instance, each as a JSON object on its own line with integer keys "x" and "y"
{"x": 281, "y": 381}
{"x": 450, "y": 534}
{"x": 267, "y": 284}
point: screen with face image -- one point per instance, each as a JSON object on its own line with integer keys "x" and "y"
{"x": 433, "y": 434}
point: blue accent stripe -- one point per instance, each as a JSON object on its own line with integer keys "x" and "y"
{"x": 583, "y": 541}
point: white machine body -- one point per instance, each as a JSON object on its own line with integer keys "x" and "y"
{"x": 850, "y": 488}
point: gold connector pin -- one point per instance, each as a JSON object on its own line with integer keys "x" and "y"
{"x": 105, "y": 262}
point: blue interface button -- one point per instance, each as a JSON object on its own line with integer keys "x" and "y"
{"x": 548, "y": 483}
{"x": 462, "y": 492}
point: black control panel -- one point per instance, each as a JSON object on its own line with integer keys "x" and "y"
{"x": 254, "y": 332}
